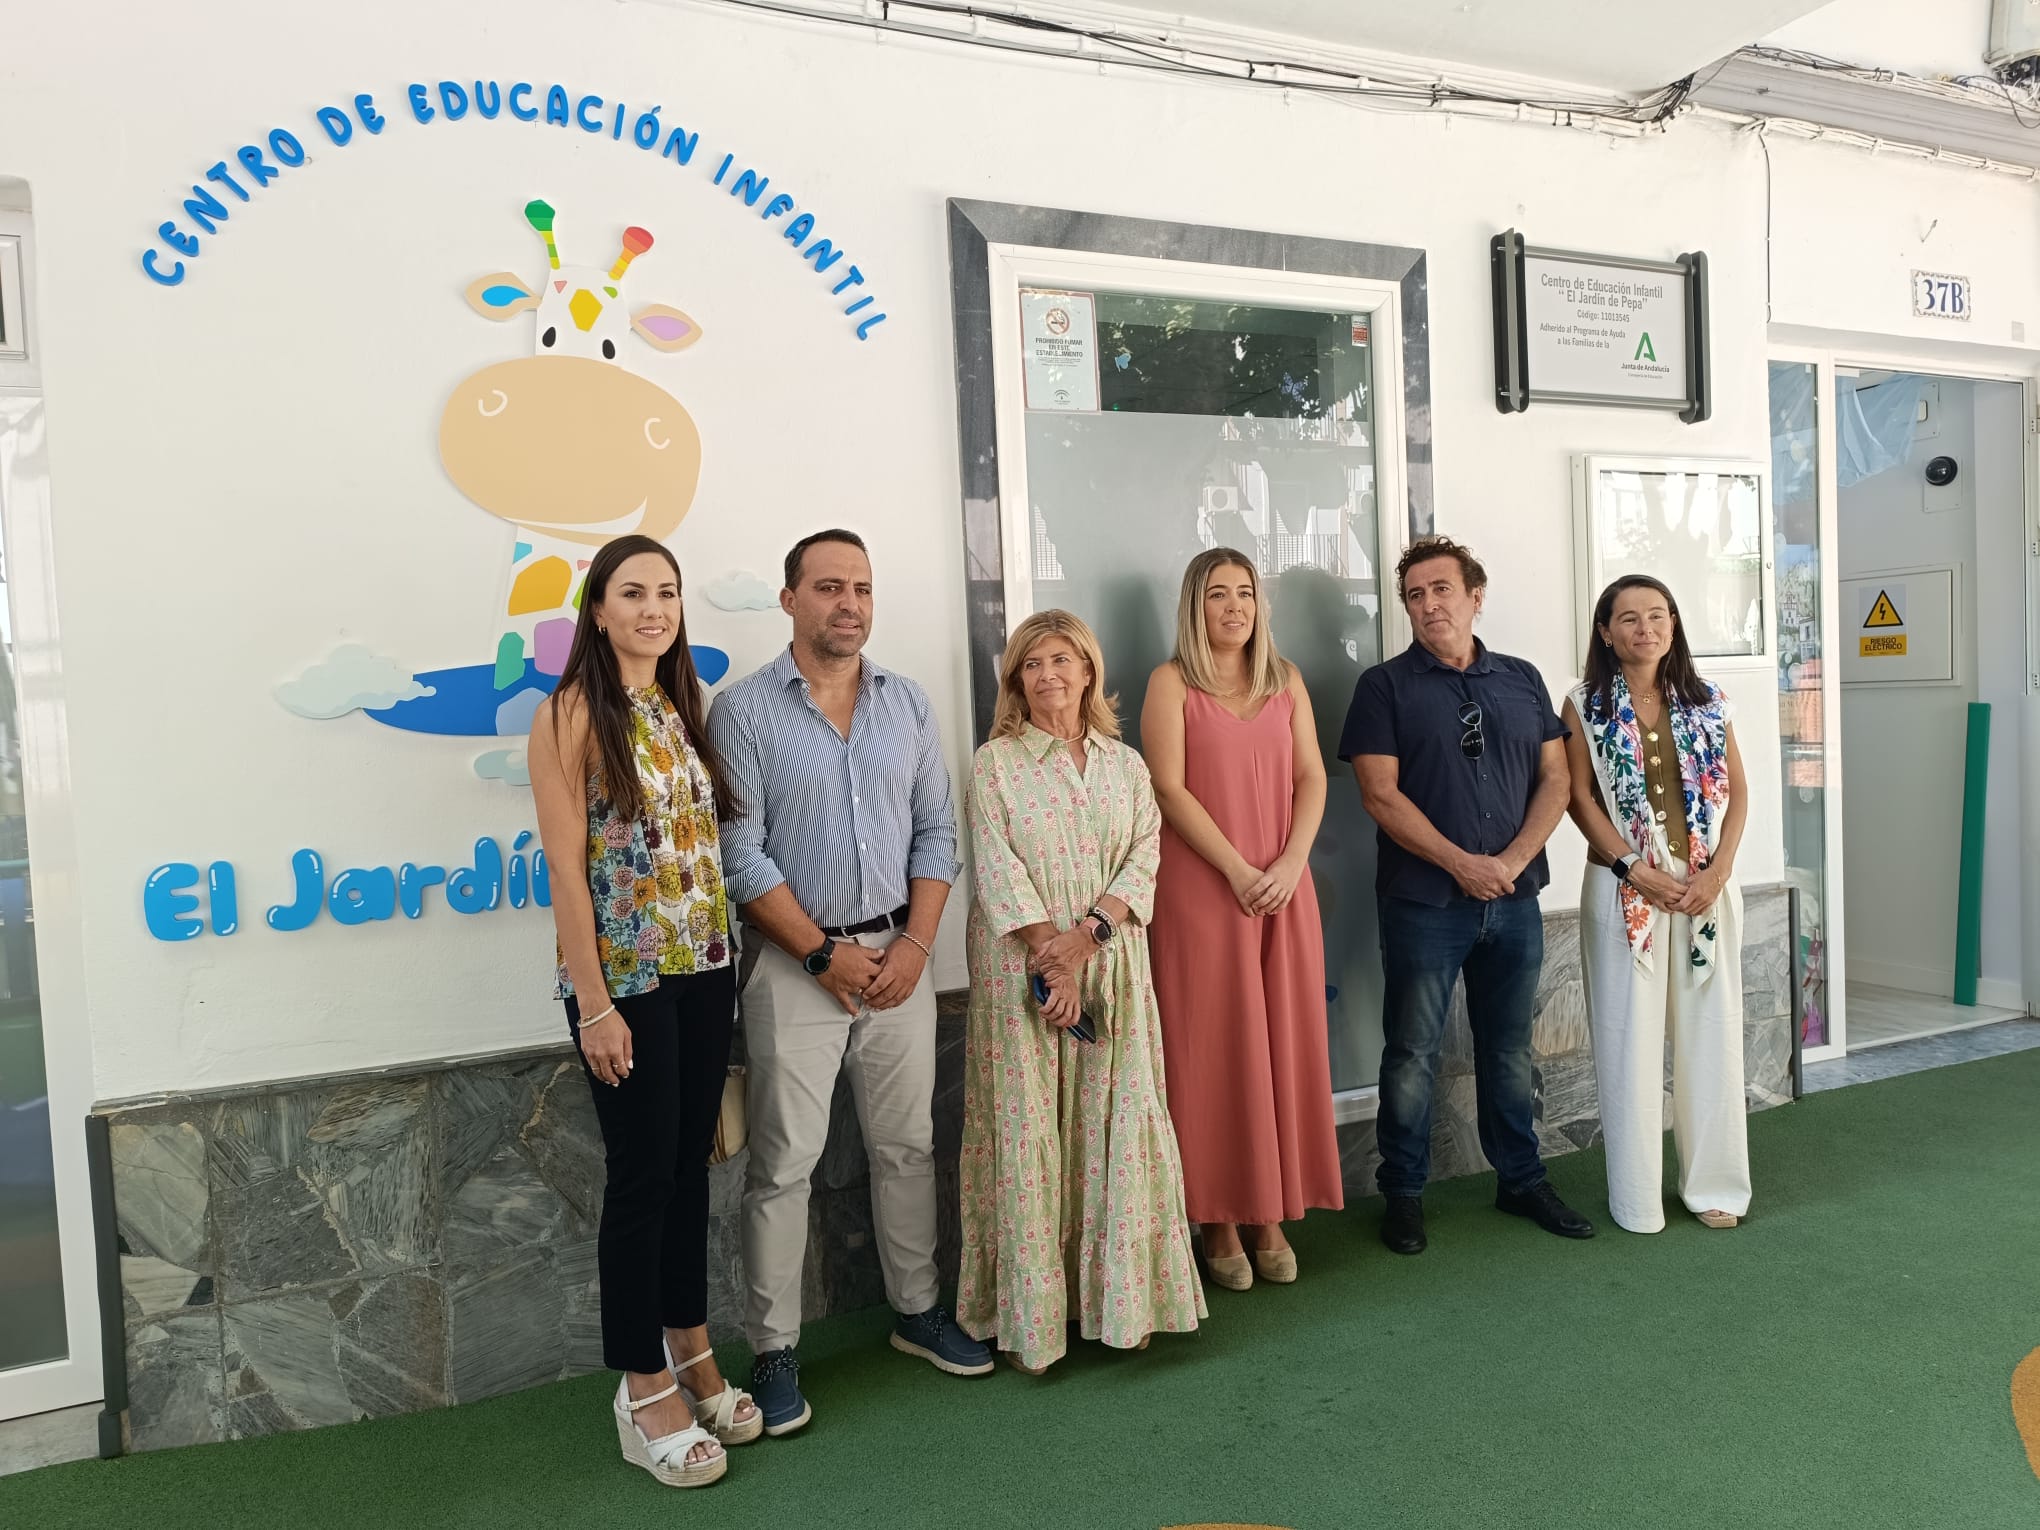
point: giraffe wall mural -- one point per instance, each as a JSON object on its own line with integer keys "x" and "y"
{"x": 569, "y": 448}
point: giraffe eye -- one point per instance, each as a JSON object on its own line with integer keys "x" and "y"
{"x": 609, "y": 350}
{"x": 548, "y": 337}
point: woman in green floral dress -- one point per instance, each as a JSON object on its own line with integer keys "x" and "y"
{"x": 1072, "y": 1186}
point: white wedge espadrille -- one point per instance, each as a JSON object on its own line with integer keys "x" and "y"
{"x": 666, "y": 1457}
{"x": 717, "y": 1413}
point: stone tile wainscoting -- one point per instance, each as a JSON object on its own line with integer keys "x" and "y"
{"x": 310, "y": 1254}
{"x": 1568, "y": 1108}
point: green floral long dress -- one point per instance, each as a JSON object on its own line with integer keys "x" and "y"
{"x": 1072, "y": 1188}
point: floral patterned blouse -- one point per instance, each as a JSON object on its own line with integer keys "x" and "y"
{"x": 660, "y": 906}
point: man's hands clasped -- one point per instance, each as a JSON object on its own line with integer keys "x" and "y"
{"x": 861, "y": 978}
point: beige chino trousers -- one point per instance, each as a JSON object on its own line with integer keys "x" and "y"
{"x": 797, "y": 1039}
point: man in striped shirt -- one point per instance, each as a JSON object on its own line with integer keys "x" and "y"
{"x": 840, "y": 855}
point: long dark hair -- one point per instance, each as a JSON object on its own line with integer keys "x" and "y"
{"x": 1677, "y": 678}
{"x": 591, "y": 667}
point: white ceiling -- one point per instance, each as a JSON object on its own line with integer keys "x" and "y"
{"x": 1631, "y": 46}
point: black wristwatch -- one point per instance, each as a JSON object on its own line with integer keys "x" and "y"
{"x": 1621, "y": 867}
{"x": 815, "y": 963}
{"x": 1102, "y": 931}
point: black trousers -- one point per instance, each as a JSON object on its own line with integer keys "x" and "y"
{"x": 657, "y": 1128}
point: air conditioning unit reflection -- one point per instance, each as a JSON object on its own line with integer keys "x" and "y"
{"x": 2014, "y": 31}
{"x": 1222, "y": 499}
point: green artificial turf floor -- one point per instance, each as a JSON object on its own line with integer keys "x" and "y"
{"x": 1842, "y": 1359}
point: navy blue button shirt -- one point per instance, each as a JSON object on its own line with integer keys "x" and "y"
{"x": 1408, "y": 707}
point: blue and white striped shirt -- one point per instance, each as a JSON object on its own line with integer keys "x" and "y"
{"x": 845, "y": 824}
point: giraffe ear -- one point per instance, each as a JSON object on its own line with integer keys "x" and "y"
{"x": 663, "y": 328}
{"x": 499, "y": 297}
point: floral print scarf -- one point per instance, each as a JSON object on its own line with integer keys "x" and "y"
{"x": 1615, "y": 739}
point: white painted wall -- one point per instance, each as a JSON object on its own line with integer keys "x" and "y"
{"x": 1849, "y": 227}
{"x": 1626, "y": 48}
{"x": 1903, "y": 747}
{"x": 1924, "y": 37}
{"x": 244, "y": 471}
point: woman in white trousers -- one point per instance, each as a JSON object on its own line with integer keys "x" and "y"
{"x": 1657, "y": 788}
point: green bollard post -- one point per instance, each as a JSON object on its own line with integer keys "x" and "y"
{"x": 1969, "y": 884}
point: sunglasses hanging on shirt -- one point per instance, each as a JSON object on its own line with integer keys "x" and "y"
{"x": 1473, "y": 742}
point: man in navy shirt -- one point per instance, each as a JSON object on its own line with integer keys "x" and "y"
{"x": 1462, "y": 766}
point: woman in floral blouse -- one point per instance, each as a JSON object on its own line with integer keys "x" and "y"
{"x": 1072, "y": 1186}
{"x": 1657, "y": 788}
{"x": 629, "y": 790}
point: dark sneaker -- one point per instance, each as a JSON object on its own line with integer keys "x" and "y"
{"x": 775, "y": 1387}
{"x": 1402, "y": 1226}
{"x": 934, "y": 1336}
{"x": 1542, "y": 1206}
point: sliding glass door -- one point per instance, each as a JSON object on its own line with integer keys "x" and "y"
{"x": 1803, "y": 734}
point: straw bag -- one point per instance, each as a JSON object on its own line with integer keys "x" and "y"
{"x": 732, "y": 1122}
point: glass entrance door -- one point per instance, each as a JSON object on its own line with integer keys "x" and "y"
{"x": 32, "y": 1327}
{"x": 1161, "y": 414}
{"x": 1796, "y": 499}
{"x": 49, "y": 1318}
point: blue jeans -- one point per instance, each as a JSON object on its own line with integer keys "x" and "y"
{"x": 1499, "y": 947}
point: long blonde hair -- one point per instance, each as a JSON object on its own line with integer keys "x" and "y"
{"x": 1101, "y": 712}
{"x": 1266, "y": 674}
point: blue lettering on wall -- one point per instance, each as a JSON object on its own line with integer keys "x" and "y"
{"x": 172, "y": 913}
{"x": 308, "y": 876}
{"x": 478, "y": 888}
{"x": 168, "y": 261}
{"x": 411, "y": 884}
{"x": 174, "y": 910}
{"x": 363, "y": 894}
{"x": 226, "y": 904}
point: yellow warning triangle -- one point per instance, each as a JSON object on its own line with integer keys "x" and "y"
{"x": 1884, "y": 613}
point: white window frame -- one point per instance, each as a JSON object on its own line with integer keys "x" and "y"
{"x": 1591, "y": 573}
{"x": 1012, "y": 267}
{"x": 1016, "y": 266}
{"x": 13, "y": 305}
{"x": 44, "y": 699}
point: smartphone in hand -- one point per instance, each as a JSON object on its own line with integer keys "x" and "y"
{"x": 1083, "y": 1030}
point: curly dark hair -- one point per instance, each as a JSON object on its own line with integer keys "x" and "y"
{"x": 1426, "y": 548}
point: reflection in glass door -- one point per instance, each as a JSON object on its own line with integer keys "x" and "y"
{"x": 32, "y": 1329}
{"x": 49, "y": 1316}
{"x": 1795, "y": 498}
{"x": 1214, "y": 423}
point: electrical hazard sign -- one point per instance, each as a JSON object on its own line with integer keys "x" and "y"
{"x": 1898, "y": 626}
{"x": 1883, "y": 635}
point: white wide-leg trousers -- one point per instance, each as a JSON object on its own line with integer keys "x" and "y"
{"x": 1628, "y": 1010}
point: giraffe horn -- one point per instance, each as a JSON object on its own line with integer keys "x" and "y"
{"x": 539, "y": 215}
{"x": 635, "y": 242}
